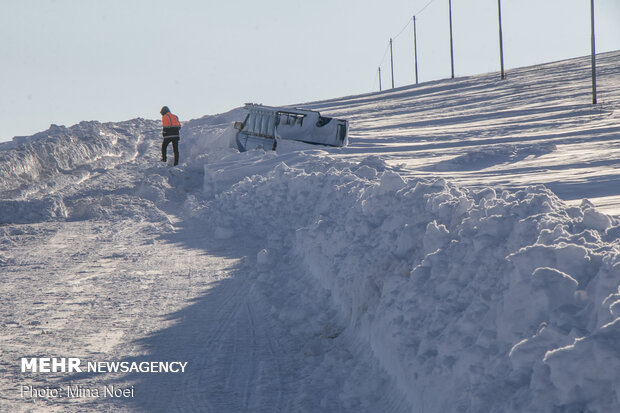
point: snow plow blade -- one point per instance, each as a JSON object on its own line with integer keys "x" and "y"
{"x": 264, "y": 126}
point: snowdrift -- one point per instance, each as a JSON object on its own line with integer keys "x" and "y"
{"x": 472, "y": 300}
{"x": 62, "y": 149}
{"x": 37, "y": 168}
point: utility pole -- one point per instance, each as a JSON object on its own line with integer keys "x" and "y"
{"x": 501, "y": 40}
{"x": 379, "y": 78}
{"x": 415, "y": 51}
{"x": 451, "y": 47}
{"x": 392, "y": 62}
{"x": 593, "y": 55}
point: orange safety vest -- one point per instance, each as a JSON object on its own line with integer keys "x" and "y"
{"x": 169, "y": 120}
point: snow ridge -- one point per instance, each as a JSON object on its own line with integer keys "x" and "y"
{"x": 38, "y": 168}
{"x": 62, "y": 150}
{"x": 472, "y": 300}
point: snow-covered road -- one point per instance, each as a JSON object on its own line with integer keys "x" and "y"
{"x": 109, "y": 266}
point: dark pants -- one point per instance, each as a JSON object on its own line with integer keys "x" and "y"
{"x": 175, "y": 148}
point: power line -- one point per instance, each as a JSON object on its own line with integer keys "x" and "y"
{"x": 410, "y": 20}
{"x": 424, "y": 8}
{"x": 385, "y": 53}
{"x": 501, "y": 46}
{"x": 402, "y": 30}
{"x": 389, "y": 46}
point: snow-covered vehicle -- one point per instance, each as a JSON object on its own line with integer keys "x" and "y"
{"x": 264, "y": 126}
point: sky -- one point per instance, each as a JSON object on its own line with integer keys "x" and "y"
{"x": 65, "y": 61}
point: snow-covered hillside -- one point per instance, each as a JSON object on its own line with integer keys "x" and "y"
{"x": 536, "y": 127}
{"x": 424, "y": 268}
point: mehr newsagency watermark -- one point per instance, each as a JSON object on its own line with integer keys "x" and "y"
{"x": 72, "y": 365}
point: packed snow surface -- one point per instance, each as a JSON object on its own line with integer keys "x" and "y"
{"x": 460, "y": 255}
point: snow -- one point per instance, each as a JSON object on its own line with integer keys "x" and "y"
{"x": 461, "y": 254}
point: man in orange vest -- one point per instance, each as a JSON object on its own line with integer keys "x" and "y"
{"x": 171, "y": 128}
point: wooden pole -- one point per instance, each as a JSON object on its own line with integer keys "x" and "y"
{"x": 593, "y": 55}
{"x": 451, "y": 43}
{"x": 415, "y": 50}
{"x": 392, "y": 62}
{"x": 501, "y": 39}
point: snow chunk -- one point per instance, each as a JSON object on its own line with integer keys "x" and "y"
{"x": 31, "y": 211}
{"x": 263, "y": 257}
{"x": 596, "y": 220}
{"x": 435, "y": 237}
{"x": 595, "y": 380}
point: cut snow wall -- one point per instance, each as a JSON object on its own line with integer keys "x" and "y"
{"x": 61, "y": 150}
{"x": 471, "y": 300}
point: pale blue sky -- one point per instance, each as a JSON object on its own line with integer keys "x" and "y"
{"x": 70, "y": 60}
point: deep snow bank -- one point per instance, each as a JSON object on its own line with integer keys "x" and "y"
{"x": 36, "y": 169}
{"x": 211, "y": 133}
{"x": 472, "y": 300}
{"x": 60, "y": 149}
